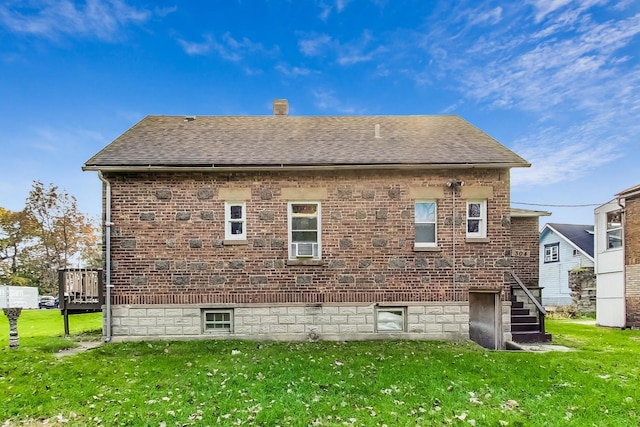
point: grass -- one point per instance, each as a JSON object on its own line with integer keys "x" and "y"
{"x": 393, "y": 383}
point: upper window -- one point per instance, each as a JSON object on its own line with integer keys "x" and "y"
{"x": 477, "y": 218}
{"x": 425, "y": 217}
{"x": 552, "y": 252}
{"x": 304, "y": 230}
{"x": 235, "y": 221}
{"x": 614, "y": 229}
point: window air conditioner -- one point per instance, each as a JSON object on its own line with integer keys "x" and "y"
{"x": 304, "y": 250}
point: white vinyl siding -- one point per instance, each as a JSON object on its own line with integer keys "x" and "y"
{"x": 554, "y": 276}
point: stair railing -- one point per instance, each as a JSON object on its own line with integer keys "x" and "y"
{"x": 542, "y": 312}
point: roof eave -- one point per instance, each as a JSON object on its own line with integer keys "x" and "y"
{"x": 284, "y": 167}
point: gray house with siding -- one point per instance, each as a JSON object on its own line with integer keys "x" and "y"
{"x": 563, "y": 247}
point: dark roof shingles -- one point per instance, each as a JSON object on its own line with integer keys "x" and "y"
{"x": 580, "y": 235}
{"x": 303, "y": 140}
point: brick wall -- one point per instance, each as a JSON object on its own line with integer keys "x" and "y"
{"x": 524, "y": 249}
{"x": 632, "y": 261}
{"x": 632, "y": 231}
{"x": 168, "y": 233}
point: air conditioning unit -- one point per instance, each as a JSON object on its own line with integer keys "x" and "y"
{"x": 304, "y": 250}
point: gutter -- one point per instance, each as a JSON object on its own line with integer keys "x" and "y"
{"x": 107, "y": 225}
{"x": 283, "y": 167}
{"x": 622, "y": 203}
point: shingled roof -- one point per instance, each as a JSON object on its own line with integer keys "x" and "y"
{"x": 579, "y": 235}
{"x": 178, "y": 142}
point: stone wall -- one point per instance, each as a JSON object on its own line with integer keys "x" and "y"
{"x": 582, "y": 283}
{"x": 294, "y": 322}
{"x": 168, "y": 244}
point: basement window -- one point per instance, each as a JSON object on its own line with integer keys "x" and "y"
{"x": 217, "y": 320}
{"x": 391, "y": 319}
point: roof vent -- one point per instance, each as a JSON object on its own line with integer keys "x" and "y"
{"x": 189, "y": 118}
{"x": 280, "y": 107}
{"x": 377, "y": 130}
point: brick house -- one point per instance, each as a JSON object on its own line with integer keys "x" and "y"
{"x": 617, "y": 260}
{"x": 284, "y": 227}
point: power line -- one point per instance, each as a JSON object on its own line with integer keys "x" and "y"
{"x": 557, "y": 206}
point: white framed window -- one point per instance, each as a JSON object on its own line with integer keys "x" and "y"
{"x": 614, "y": 229}
{"x": 235, "y": 221}
{"x": 391, "y": 319}
{"x": 304, "y": 230}
{"x": 477, "y": 218}
{"x": 552, "y": 252}
{"x": 425, "y": 224}
{"x": 217, "y": 320}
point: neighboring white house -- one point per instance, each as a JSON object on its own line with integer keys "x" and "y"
{"x": 563, "y": 247}
{"x": 610, "y": 289}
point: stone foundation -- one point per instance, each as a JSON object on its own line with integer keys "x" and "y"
{"x": 437, "y": 321}
{"x": 582, "y": 283}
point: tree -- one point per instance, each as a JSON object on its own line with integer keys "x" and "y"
{"x": 17, "y": 235}
{"x": 62, "y": 233}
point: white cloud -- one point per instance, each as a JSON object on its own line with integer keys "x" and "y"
{"x": 197, "y": 48}
{"x": 489, "y": 17}
{"x": 559, "y": 155}
{"x": 327, "y": 8}
{"x": 314, "y": 45}
{"x": 326, "y": 100}
{"x": 545, "y": 7}
{"x": 228, "y": 48}
{"x": 292, "y": 71}
{"x": 53, "y": 18}
{"x": 361, "y": 49}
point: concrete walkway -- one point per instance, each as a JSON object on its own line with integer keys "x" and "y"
{"x": 82, "y": 347}
{"x": 537, "y": 347}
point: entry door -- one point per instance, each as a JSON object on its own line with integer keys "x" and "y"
{"x": 485, "y": 319}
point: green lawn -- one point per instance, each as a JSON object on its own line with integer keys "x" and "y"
{"x": 393, "y": 383}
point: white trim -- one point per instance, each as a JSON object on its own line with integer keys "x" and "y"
{"x": 573, "y": 245}
{"x": 482, "y": 225}
{"x": 434, "y": 222}
{"x": 205, "y": 323}
{"x": 554, "y": 256}
{"x": 228, "y": 235}
{"x": 403, "y": 324}
{"x": 283, "y": 167}
{"x": 317, "y": 243}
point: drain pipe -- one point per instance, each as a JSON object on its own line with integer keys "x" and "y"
{"x": 623, "y": 219}
{"x": 107, "y": 225}
{"x": 455, "y": 185}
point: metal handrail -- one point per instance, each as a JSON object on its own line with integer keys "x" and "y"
{"x": 529, "y": 294}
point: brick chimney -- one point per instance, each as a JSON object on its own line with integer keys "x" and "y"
{"x": 280, "y": 107}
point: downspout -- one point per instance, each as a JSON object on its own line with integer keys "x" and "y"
{"x": 453, "y": 238}
{"x": 107, "y": 225}
{"x": 455, "y": 185}
{"x": 622, "y": 205}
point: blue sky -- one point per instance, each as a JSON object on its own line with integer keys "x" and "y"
{"x": 557, "y": 81}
